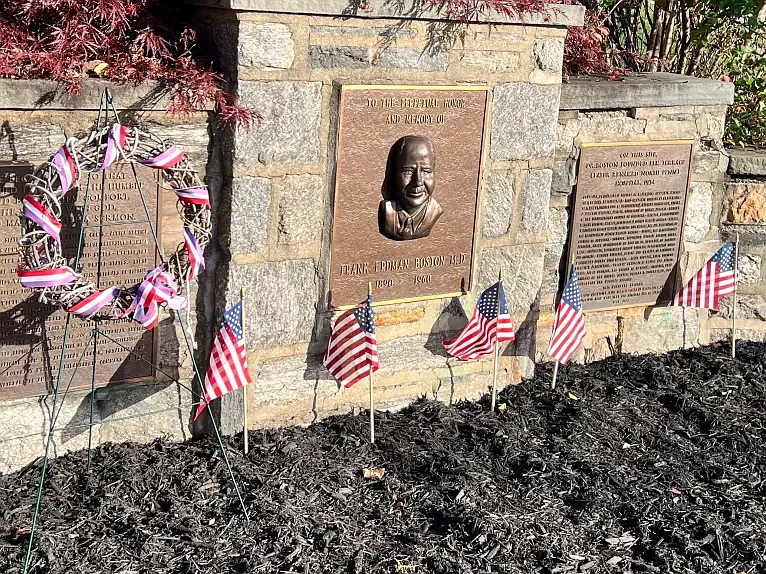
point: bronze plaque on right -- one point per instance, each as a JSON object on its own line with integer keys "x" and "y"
{"x": 627, "y": 225}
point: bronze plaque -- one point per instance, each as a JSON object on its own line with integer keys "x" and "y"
{"x": 31, "y": 334}
{"x": 407, "y": 181}
{"x": 628, "y": 221}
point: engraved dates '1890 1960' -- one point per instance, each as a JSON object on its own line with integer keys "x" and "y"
{"x": 415, "y": 243}
{"x": 31, "y": 333}
{"x": 628, "y": 221}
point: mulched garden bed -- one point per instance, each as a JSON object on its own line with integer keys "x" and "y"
{"x": 633, "y": 464}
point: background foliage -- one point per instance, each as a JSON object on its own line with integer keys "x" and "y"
{"x": 720, "y": 39}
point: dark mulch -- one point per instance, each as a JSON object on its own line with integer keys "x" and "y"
{"x": 658, "y": 467}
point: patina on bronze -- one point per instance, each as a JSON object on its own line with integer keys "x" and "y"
{"x": 398, "y": 142}
{"x": 32, "y": 333}
{"x": 627, "y": 224}
{"x": 409, "y": 209}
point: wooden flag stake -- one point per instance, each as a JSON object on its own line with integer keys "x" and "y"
{"x": 734, "y": 306}
{"x": 244, "y": 388}
{"x": 555, "y": 374}
{"x": 372, "y": 394}
{"x": 497, "y": 345}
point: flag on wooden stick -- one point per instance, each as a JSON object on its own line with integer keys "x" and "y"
{"x": 716, "y": 279}
{"x": 490, "y": 322}
{"x": 569, "y": 325}
{"x": 352, "y": 352}
{"x": 227, "y": 370}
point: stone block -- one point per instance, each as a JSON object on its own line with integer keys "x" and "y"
{"x": 194, "y": 139}
{"x": 564, "y": 177}
{"x": 558, "y": 230}
{"x": 366, "y": 32}
{"x": 286, "y": 292}
{"x": 665, "y": 329}
{"x": 749, "y": 269}
{"x": 250, "y": 203}
{"x": 498, "y": 203}
{"x": 699, "y": 208}
{"x": 266, "y": 46}
{"x": 505, "y": 34}
{"x": 745, "y": 202}
{"x": 522, "y": 267}
{"x": 30, "y": 142}
{"x": 537, "y": 195}
{"x": 673, "y": 126}
{"x": 338, "y": 57}
{"x": 747, "y": 162}
{"x": 122, "y": 402}
{"x": 748, "y": 307}
{"x": 524, "y": 121}
{"x": 742, "y": 335}
{"x": 24, "y": 424}
{"x": 602, "y": 126}
{"x": 409, "y": 59}
{"x": 708, "y": 160}
{"x": 491, "y": 62}
{"x": 287, "y": 380}
{"x": 657, "y": 89}
{"x": 301, "y": 199}
{"x": 549, "y": 54}
{"x": 289, "y": 133}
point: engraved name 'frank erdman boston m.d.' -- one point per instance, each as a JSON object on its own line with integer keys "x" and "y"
{"x": 408, "y": 209}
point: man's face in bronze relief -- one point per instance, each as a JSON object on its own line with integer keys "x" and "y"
{"x": 415, "y": 174}
{"x": 409, "y": 210}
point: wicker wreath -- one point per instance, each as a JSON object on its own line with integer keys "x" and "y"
{"x": 43, "y": 267}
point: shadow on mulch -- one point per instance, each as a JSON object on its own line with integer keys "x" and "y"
{"x": 633, "y": 464}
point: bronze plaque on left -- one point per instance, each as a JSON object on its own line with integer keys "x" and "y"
{"x": 31, "y": 334}
{"x": 406, "y": 188}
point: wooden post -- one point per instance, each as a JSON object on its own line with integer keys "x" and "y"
{"x": 372, "y": 394}
{"x": 244, "y": 389}
{"x": 734, "y": 306}
{"x": 497, "y": 345}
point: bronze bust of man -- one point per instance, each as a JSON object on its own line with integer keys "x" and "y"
{"x": 409, "y": 210}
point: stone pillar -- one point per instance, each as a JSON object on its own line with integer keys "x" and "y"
{"x": 287, "y": 60}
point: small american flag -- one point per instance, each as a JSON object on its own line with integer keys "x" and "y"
{"x": 715, "y": 280}
{"x": 228, "y": 362}
{"x": 490, "y": 319}
{"x": 569, "y": 326}
{"x": 353, "y": 347}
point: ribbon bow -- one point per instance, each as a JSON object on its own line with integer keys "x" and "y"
{"x": 158, "y": 287}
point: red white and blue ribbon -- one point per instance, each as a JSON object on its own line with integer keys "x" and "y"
{"x": 94, "y": 302}
{"x": 194, "y": 195}
{"x": 42, "y": 278}
{"x": 66, "y": 168}
{"x": 167, "y": 159}
{"x": 117, "y": 137}
{"x": 159, "y": 286}
{"x": 196, "y": 257}
{"x": 37, "y": 212}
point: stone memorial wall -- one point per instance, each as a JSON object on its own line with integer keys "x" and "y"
{"x": 322, "y": 164}
{"x": 306, "y": 215}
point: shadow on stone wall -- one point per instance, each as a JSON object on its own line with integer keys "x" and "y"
{"x": 116, "y": 397}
